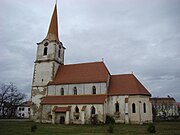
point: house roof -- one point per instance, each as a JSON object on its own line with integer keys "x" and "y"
{"x": 81, "y": 73}
{"x": 162, "y": 100}
{"x": 74, "y": 99}
{"x": 126, "y": 84}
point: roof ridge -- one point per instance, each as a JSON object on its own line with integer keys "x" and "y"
{"x": 121, "y": 74}
{"x": 84, "y": 63}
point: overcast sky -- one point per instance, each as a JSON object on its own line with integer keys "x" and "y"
{"x": 139, "y": 36}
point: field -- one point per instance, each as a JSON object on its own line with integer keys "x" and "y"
{"x": 24, "y": 128}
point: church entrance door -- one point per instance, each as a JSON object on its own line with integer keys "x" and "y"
{"x": 62, "y": 120}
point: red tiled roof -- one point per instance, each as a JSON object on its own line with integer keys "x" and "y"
{"x": 126, "y": 84}
{"x": 78, "y": 99}
{"x": 60, "y": 109}
{"x": 163, "y": 100}
{"x": 81, "y": 73}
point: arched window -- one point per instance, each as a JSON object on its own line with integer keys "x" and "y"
{"x": 133, "y": 108}
{"x": 117, "y": 107}
{"x": 62, "y": 91}
{"x": 94, "y": 90}
{"x": 76, "y": 109}
{"x": 45, "y": 50}
{"x": 93, "y": 110}
{"x": 144, "y": 107}
{"x": 75, "y": 91}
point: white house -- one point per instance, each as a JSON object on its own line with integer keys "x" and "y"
{"x": 23, "y": 111}
{"x": 79, "y": 93}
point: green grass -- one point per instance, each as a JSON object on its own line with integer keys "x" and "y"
{"x": 24, "y": 128}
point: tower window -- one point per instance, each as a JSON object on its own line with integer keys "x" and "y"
{"x": 59, "y": 52}
{"x": 46, "y": 44}
{"x": 62, "y": 91}
{"x": 133, "y": 108}
{"x": 75, "y": 91}
{"x": 117, "y": 107}
{"x": 45, "y": 50}
{"x": 144, "y": 107}
{"x": 93, "y": 110}
{"x": 93, "y": 90}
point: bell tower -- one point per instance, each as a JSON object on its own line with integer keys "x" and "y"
{"x": 49, "y": 57}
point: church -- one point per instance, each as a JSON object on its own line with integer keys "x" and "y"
{"x": 84, "y": 92}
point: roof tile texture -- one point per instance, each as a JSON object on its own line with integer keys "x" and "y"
{"x": 78, "y": 99}
{"x": 126, "y": 84}
{"x": 81, "y": 73}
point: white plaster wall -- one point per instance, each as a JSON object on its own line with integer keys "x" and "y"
{"x": 81, "y": 89}
{"x": 140, "y": 116}
{"x": 112, "y": 100}
{"x": 26, "y": 112}
{"x": 43, "y": 73}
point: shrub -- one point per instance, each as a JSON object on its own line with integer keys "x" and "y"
{"x": 109, "y": 120}
{"x": 33, "y": 128}
{"x": 151, "y": 129}
{"x": 110, "y": 128}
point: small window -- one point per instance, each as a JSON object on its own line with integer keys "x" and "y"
{"x": 117, "y": 107}
{"x": 23, "y": 115}
{"x": 93, "y": 110}
{"x": 45, "y": 50}
{"x": 62, "y": 91}
{"x": 28, "y": 109}
{"x": 59, "y": 53}
{"x": 75, "y": 91}
{"x": 19, "y": 114}
{"x": 133, "y": 108}
{"x": 144, "y": 107}
{"x": 23, "y": 109}
{"x": 19, "y": 108}
{"x": 94, "y": 90}
{"x": 76, "y": 109}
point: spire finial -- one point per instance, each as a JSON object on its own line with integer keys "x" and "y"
{"x": 53, "y": 27}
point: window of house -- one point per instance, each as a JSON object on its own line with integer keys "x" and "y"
{"x": 22, "y": 114}
{"x": 45, "y": 50}
{"x": 75, "y": 91}
{"x": 23, "y": 109}
{"x": 19, "y": 114}
{"x": 94, "y": 90}
{"x": 93, "y": 110}
{"x": 133, "y": 108}
{"x": 62, "y": 91}
{"x": 28, "y": 109}
{"x": 19, "y": 108}
{"x": 76, "y": 109}
{"x": 144, "y": 107}
{"x": 117, "y": 107}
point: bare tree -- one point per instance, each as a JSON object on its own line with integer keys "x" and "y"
{"x": 10, "y": 99}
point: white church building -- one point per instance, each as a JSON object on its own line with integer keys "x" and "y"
{"x": 79, "y": 93}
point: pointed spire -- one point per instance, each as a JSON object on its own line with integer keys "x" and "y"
{"x": 53, "y": 27}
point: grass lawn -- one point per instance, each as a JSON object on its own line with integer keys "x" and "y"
{"x": 24, "y": 128}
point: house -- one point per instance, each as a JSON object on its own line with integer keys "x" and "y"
{"x": 164, "y": 107}
{"x": 23, "y": 111}
{"x": 84, "y": 92}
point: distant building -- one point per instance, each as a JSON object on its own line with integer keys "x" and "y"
{"x": 23, "y": 111}
{"x": 164, "y": 108}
